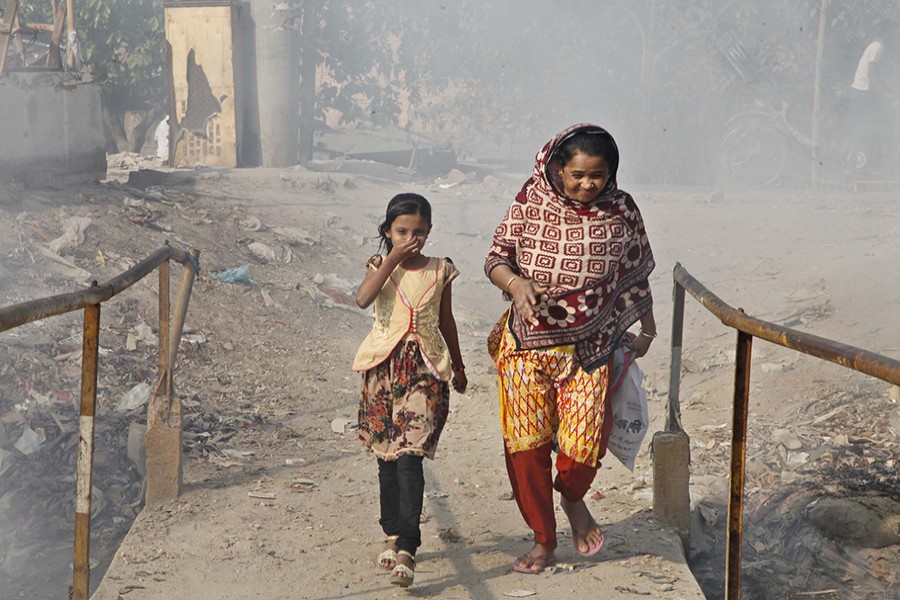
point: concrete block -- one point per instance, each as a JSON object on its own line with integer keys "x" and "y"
{"x": 52, "y": 130}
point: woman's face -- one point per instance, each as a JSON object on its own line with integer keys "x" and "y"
{"x": 584, "y": 177}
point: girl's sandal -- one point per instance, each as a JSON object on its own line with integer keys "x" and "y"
{"x": 388, "y": 558}
{"x": 401, "y": 574}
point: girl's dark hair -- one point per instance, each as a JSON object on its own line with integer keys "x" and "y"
{"x": 402, "y": 204}
{"x": 593, "y": 142}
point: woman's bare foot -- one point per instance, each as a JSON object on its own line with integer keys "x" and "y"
{"x": 586, "y": 533}
{"x": 535, "y": 560}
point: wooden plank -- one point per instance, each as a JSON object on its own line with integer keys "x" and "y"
{"x": 208, "y": 32}
{"x": 54, "y": 59}
{"x": 16, "y": 35}
{"x": 12, "y": 8}
{"x": 29, "y": 28}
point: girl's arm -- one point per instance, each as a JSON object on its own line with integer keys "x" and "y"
{"x": 447, "y": 325}
{"x": 374, "y": 280}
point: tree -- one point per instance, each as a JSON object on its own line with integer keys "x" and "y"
{"x": 122, "y": 44}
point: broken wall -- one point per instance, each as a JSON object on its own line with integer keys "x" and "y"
{"x": 52, "y": 129}
{"x": 207, "y": 92}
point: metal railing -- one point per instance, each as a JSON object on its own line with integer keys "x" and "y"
{"x": 89, "y": 301}
{"x": 863, "y": 361}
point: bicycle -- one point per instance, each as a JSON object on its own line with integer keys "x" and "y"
{"x": 761, "y": 145}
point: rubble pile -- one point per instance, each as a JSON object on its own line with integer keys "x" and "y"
{"x": 822, "y": 503}
{"x": 57, "y": 243}
{"x": 37, "y": 494}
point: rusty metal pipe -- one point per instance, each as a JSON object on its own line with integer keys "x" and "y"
{"x": 738, "y": 464}
{"x": 35, "y": 310}
{"x": 864, "y": 361}
{"x": 81, "y": 576}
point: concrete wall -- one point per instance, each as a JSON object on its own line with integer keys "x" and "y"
{"x": 51, "y": 129}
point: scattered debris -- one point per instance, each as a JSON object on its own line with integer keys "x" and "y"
{"x": 336, "y": 289}
{"x": 72, "y": 236}
{"x": 517, "y": 593}
{"x": 266, "y": 254}
{"x": 296, "y": 236}
{"x": 136, "y": 398}
{"x": 262, "y": 495}
{"x": 236, "y": 275}
{"x": 342, "y": 425}
{"x": 30, "y": 441}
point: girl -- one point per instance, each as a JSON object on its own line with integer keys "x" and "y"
{"x": 406, "y": 360}
{"x": 572, "y": 256}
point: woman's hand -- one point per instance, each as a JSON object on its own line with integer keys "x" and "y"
{"x": 640, "y": 344}
{"x": 526, "y": 296}
{"x": 460, "y": 382}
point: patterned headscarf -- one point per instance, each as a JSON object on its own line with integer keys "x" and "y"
{"x": 593, "y": 257}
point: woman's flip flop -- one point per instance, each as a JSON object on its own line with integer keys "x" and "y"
{"x": 532, "y": 565}
{"x": 593, "y": 549}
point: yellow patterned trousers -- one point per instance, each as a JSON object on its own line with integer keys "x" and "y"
{"x": 546, "y": 392}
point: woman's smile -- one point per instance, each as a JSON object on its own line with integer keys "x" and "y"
{"x": 584, "y": 177}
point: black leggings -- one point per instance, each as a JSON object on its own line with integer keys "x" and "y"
{"x": 402, "y": 483}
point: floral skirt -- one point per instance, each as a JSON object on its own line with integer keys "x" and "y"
{"x": 545, "y": 393}
{"x": 403, "y": 407}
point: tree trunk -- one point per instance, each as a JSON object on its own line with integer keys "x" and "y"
{"x": 114, "y": 130}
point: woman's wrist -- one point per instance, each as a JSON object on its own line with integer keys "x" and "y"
{"x": 648, "y": 335}
{"x": 509, "y": 283}
{"x": 458, "y": 368}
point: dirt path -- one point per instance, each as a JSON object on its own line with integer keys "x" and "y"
{"x": 279, "y": 505}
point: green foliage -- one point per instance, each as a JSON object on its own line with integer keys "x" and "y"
{"x": 122, "y": 44}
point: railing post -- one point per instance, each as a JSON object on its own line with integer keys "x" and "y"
{"x": 673, "y": 406}
{"x": 81, "y": 566}
{"x": 672, "y": 447}
{"x": 164, "y": 316}
{"x": 738, "y": 459}
{"x": 163, "y": 438}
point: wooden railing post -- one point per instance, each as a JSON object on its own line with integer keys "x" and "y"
{"x": 164, "y": 316}
{"x": 164, "y": 417}
{"x": 738, "y": 459}
{"x": 81, "y": 576}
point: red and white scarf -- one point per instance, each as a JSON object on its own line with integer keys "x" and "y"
{"x": 594, "y": 258}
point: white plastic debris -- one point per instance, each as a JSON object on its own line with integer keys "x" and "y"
{"x": 30, "y": 441}
{"x": 135, "y": 398}
{"x": 341, "y": 425}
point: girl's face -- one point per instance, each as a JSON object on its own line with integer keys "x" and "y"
{"x": 584, "y": 177}
{"x": 409, "y": 227}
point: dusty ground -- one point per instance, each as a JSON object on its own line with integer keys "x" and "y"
{"x": 280, "y": 502}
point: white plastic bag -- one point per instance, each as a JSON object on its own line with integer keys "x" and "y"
{"x": 630, "y": 416}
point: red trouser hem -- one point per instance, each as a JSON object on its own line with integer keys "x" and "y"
{"x": 532, "y": 483}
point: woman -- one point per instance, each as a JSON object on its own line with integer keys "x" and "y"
{"x": 572, "y": 255}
